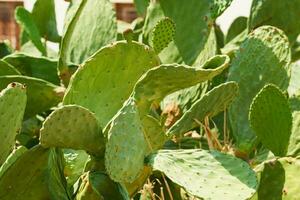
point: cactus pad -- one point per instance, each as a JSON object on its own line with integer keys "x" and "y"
{"x": 38, "y": 169}
{"x": 165, "y": 79}
{"x": 279, "y": 179}
{"x": 263, "y": 58}
{"x": 162, "y": 34}
{"x": 98, "y": 186}
{"x": 206, "y": 174}
{"x": 78, "y": 45}
{"x": 41, "y": 95}
{"x": 7, "y": 69}
{"x": 113, "y": 72}
{"x": 271, "y": 119}
{"x": 72, "y": 127}
{"x": 126, "y": 145}
{"x": 213, "y": 102}
{"x": 12, "y": 107}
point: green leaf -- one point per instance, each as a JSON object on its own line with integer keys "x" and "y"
{"x": 213, "y": 102}
{"x": 271, "y": 119}
{"x": 206, "y": 174}
{"x": 24, "y": 18}
{"x": 72, "y": 127}
{"x": 263, "y": 58}
{"x": 12, "y": 107}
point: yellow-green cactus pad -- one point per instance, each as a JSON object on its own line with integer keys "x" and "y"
{"x": 263, "y": 58}
{"x": 41, "y": 95}
{"x": 72, "y": 127}
{"x": 271, "y": 119}
{"x": 126, "y": 146}
{"x": 107, "y": 79}
{"x": 12, "y": 107}
{"x": 213, "y": 102}
{"x": 206, "y": 174}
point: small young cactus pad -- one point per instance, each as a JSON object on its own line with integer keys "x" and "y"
{"x": 12, "y": 107}
{"x": 162, "y": 34}
{"x": 271, "y": 119}
{"x": 73, "y": 127}
{"x": 206, "y": 174}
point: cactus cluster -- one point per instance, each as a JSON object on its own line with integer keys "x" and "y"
{"x": 167, "y": 107}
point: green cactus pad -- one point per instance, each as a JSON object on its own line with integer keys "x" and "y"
{"x": 294, "y": 145}
{"x": 263, "y": 58}
{"x": 41, "y": 95}
{"x": 78, "y": 45}
{"x": 35, "y": 66}
{"x": 165, "y": 79}
{"x": 12, "y": 107}
{"x": 126, "y": 145}
{"x": 43, "y": 14}
{"x": 5, "y": 48}
{"x": 72, "y": 127}
{"x": 187, "y": 43}
{"x": 113, "y": 70}
{"x": 98, "y": 186}
{"x": 41, "y": 177}
{"x": 236, "y": 27}
{"x": 279, "y": 179}
{"x": 271, "y": 119}
{"x": 162, "y": 34}
{"x": 213, "y": 102}
{"x": 24, "y": 18}
{"x": 154, "y": 133}
{"x": 278, "y": 13}
{"x": 206, "y": 174}
{"x": 218, "y": 7}
{"x": 38, "y": 67}
{"x": 7, "y": 69}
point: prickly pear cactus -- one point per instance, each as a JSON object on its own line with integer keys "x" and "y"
{"x": 72, "y": 127}
{"x": 151, "y": 87}
{"x": 7, "y": 69}
{"x": 38, "y": 67}
{"x": 78, "y": 45}
{"x": 162, "y": 34}
{"x": 278, "y": 179}
{"x": 213, "y": 102}
{"x": 206, "y": 174}
{"x": 113, "y": 70}
{"x": 236, "y": 27}
{"x": 126, "y": 146}
{"x": 41, "y": 95}
{"x": 42, "y": 178}
{"x": 270, "y": 12}
{"x": 12, "y": 107}
{"x": 98, "y": 186}
{"x": 263, "y": 58}
{"x": 271, "y": 119}
{"x": 24, "y": 18}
